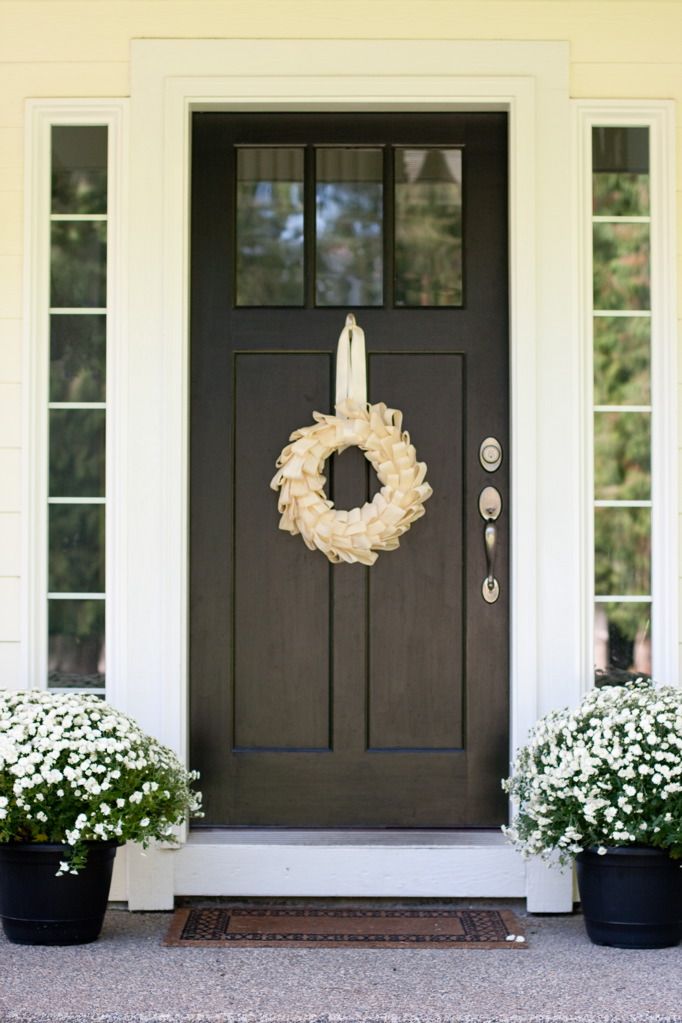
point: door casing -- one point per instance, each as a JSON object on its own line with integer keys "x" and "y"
{"x": 530, "y": 80}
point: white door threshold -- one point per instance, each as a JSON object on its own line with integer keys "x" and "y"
{"x": 405, "y": 863}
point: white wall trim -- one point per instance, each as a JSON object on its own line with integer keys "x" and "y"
{"x": 41, "y": 115}
{"x": 659, "y": 117}
{"x": 169, "y": 79}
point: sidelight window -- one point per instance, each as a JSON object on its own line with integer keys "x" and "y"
{"x": 77, "y": 407}
{"x": 75, "y": 235}
{"x": 627, "y": 329}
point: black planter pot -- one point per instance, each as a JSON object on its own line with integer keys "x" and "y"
{"x": 38, "y": 908}
{"x": 631, "y": 897}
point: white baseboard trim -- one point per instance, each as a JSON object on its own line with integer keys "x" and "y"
{"x": 354, "y": 864}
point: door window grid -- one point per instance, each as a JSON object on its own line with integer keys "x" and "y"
{"x": 621, "y": 225}
{"x": 76, "y": 491}
{"x": 383, "y": 226}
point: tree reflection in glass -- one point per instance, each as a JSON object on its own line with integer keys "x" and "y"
{"x": 428, "y": 227}
{"x": 622, "y": 540}
{"x": 79, "y": 169}
{"x": 621, "y": 266}
{"x": 622, "y": 456}
{"x": 78, "y": 357}
{"x": 76, "y": 562}
{"x": 269, "y": 258}
{"x": 620, "y": 166}
{"x": 78, "y": 264}
{"x": 622, "y": 642}
{"x": 622, "y": 360}
{"x": 349, "y": 227}
{"x": 76, "y": 644}
{"x": 77, "y": 452}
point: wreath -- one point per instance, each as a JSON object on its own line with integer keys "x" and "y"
{"x": 359, "y": 534}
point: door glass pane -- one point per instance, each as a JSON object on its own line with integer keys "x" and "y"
{"x": 622, "y": 642}
{"x": 76, "y": 644}
{"x": 77, "y": 450}
{"x": 622, "y": 373}
{"x": 349, "y": 227}
{"x": 622, "y": 456}
{"x": 620, "y": 166}
{"x": 76, "y": 562}
{"x": 78, "y": 357}
{"x": 428, "y": 227}
{"x": 622, "y": 551}
{"x": 621, "y": 266}
{"x": 79, "y": 169}
{"x": 78, "y": 276}
{"x": 269, "y": 259}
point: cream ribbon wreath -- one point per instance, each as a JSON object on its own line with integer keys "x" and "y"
{"x": 359, "y": 534}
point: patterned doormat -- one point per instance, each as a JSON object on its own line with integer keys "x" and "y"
{"x": 307, "y": 926}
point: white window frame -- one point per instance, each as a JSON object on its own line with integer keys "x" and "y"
{"x": 41, "y": 117}
{"x": 659, "y": 117}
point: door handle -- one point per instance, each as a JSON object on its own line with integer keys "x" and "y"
{"x": 490, "y": 507}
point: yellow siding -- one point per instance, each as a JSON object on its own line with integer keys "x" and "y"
{"x": 10, "y": 542}
{"x": 50, "y": 48}
{"x": 99, "y": 30}
{"x": 10, "y": 349}
{"x": 9, "y": 665}
{"x": 10, "y": 481}
{"x": 9, "y": 602}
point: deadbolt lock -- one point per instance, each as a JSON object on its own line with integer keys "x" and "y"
{"x": 490, "y": 454}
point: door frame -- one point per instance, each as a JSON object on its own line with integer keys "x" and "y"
{"x": 169, "y": 80}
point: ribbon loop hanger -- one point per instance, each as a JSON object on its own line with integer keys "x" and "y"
{"x": 351, "y": 365}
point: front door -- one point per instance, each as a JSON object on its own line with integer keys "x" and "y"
{"x": 338, "y": 695}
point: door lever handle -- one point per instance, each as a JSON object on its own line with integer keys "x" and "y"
{"x": 490, "y": 506}
{"x": 490, "y": 538}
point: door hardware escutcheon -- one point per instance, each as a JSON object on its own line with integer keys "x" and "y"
{"x": 490, "y": 508}
{"x": 490, "y": 454}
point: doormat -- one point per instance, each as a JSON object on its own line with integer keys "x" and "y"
{"x": 305, "y": 927}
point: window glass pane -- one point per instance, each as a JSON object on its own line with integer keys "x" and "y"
{"x": 76, "y": 643}
{"x": 620, "y": 163}
{"x": 622, "y": 642}
{"x": 79, "y": 169}
{"x": 76, "y": 559}
{"x": 621, "y": 266}
{"x": 78, "y": 276}
{"x": 78, "y": 358}
{"x": 77, "y": 450}
{"x": 622, "y": 456}
{"x": 428, "y": 227}
{"x": 622, "y": 551}
{"x": 349, "y": 227}
{"x": 269, "y": 227}
{"x": 622, "y": 371}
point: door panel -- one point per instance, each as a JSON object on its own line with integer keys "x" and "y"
{"x": 337, "y": 695}
{"x": 429, "y": 643}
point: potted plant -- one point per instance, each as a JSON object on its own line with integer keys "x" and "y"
{"x": 603, "y": 784}
{"x": 77, "y": 779}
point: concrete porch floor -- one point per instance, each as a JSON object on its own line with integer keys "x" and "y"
{"x": 128, "y": 977}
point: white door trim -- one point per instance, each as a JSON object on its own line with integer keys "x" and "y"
{"x": 530, "y": 80}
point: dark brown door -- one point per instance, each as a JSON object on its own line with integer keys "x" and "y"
{"x": 337, "y": 695}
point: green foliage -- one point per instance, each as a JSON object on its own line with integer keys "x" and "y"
{"x": 621, "y": 266}
{"x": 620, "y": 194}
{"x": 428, "y": 244}
{"x": 269, "y": 243}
